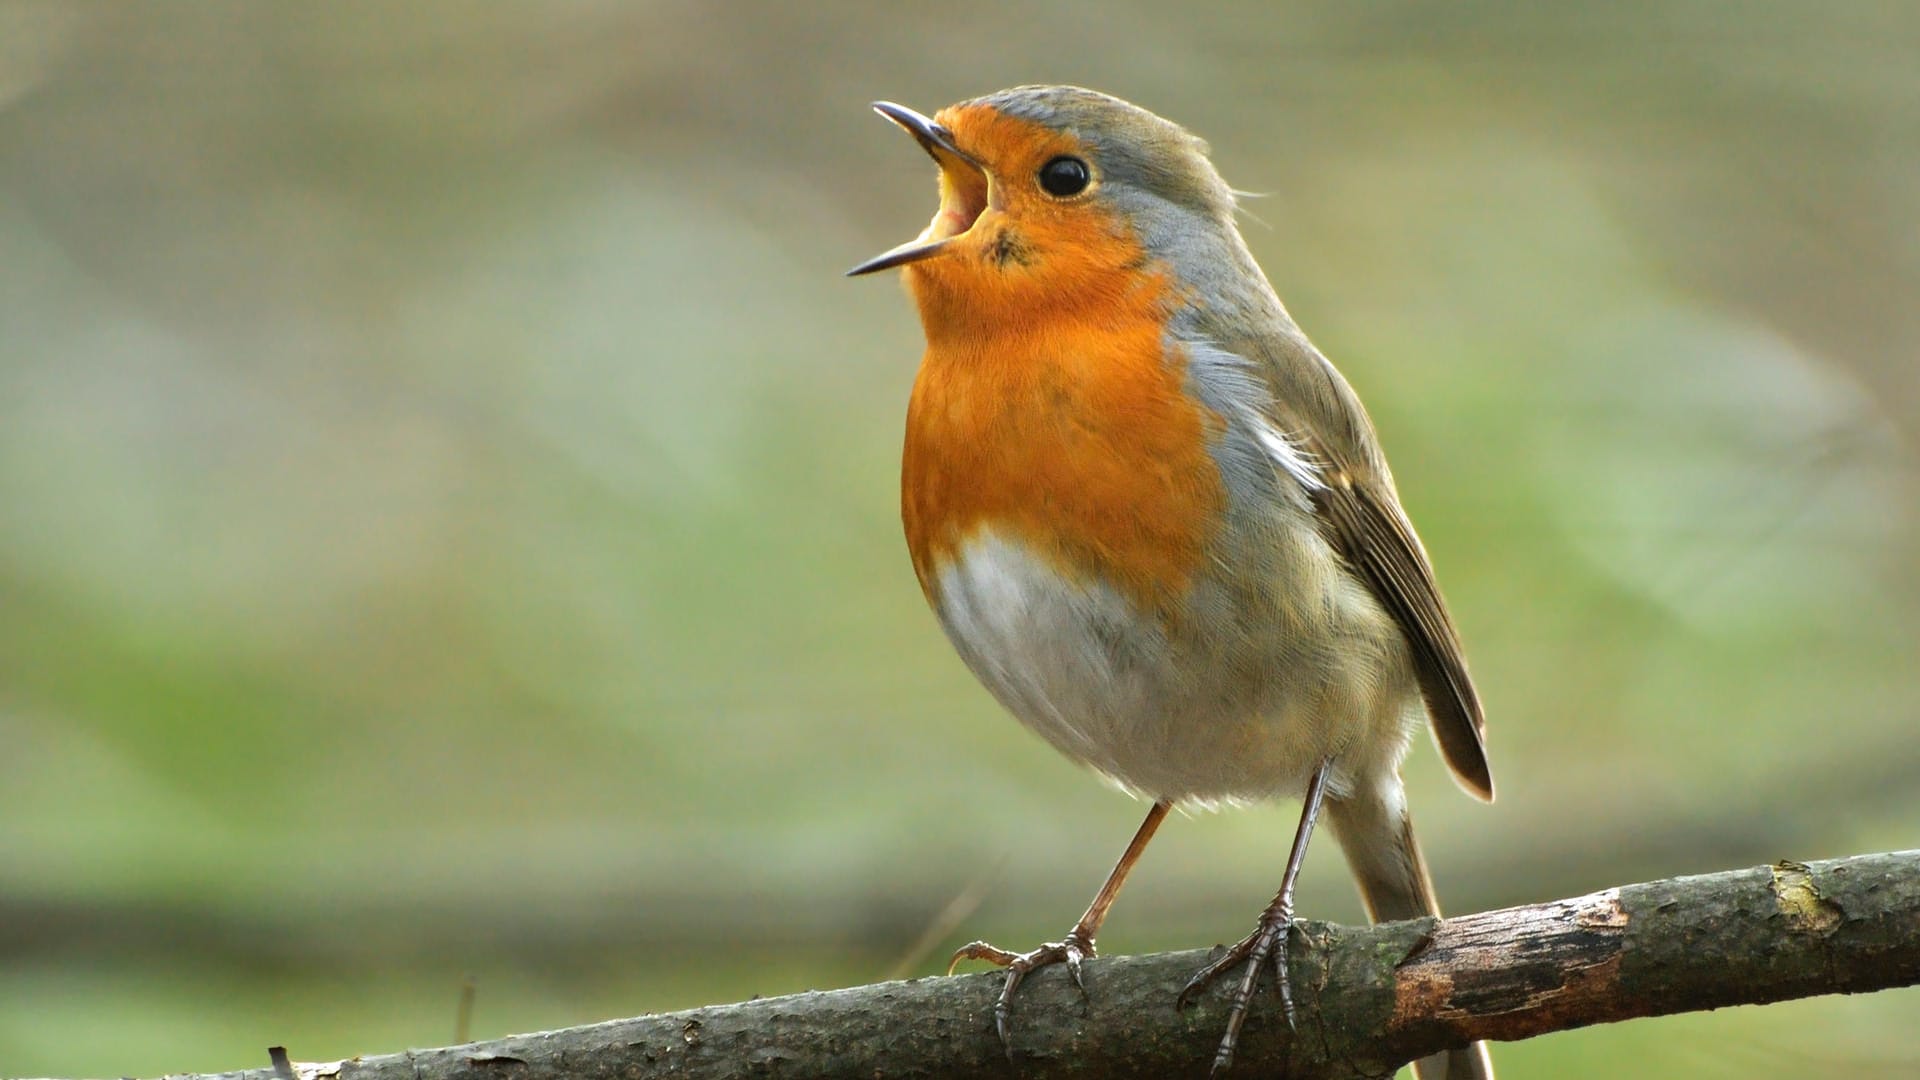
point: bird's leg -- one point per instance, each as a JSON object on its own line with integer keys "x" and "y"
{"x": 1077, "y": 945}
{"x": 1269, "y": 938}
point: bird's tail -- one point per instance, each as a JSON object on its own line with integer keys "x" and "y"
{"x": 1376, "y": 835}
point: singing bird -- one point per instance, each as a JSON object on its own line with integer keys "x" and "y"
{"x": 1154, "y": 520}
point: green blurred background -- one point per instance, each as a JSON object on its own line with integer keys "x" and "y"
{"x": 447, "y": 494}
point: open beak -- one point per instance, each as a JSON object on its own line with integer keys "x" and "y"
{"x": 964, "y": 191}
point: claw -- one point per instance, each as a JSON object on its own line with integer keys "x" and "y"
{"x": 980, "y": 950}
{"x": 1070, "y": 951}
{"x": 1194, "y": 985}
{"x": 1073, "y": 969}
{"x": 1268, "y": 941}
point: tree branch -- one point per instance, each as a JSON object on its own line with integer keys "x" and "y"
{"x": 1370, "y": 999}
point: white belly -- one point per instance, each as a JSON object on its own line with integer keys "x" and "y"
{"x": 1232, "y": 704}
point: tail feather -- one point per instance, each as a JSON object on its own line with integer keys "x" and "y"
{"x": 1376, "y": 834}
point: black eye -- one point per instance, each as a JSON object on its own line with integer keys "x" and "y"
{"x": 1064, "y": 176}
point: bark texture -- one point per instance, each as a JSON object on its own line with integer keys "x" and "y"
{"x": 1370, "y": 999}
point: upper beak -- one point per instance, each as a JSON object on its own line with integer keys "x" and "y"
{"x": 934, "y": 138}
{"x": 938, "y": 142}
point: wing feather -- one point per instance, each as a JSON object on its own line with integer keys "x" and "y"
{"x": 1379, "y": 543}
{"x": 1359, "y": 511}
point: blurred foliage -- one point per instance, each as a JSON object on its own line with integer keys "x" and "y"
{"x": 447, "y": 510}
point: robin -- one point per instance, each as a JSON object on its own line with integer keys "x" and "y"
{"x": 1154, "y": 520}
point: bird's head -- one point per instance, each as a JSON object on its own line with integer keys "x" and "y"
{"x": 1058, "y": 196}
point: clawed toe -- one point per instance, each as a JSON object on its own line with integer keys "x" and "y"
{"x": 1205, "y": 976}
{"x": 980, "y": 950}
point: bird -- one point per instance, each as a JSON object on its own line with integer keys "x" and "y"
{"x": 1155, "y": 521}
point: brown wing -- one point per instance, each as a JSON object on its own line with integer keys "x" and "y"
{"x": 1370, "y": 529}
{"x": 1362, "y": 518}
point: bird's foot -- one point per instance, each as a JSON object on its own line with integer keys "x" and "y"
{"x": 1268, "y": 941}
{"x": 1071, "y": 950}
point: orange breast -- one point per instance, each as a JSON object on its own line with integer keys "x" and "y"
{"x": 1066, "y": 430}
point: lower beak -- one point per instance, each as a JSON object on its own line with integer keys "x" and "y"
{"x": 964, "y": 191}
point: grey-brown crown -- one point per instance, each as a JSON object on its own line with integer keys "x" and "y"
{"x": 1131, "y": 146}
